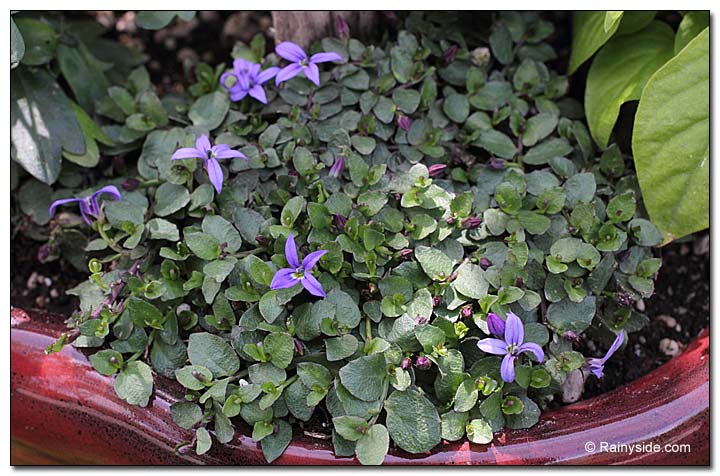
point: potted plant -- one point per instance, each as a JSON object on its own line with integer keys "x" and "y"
{"x": 384, "y": 254}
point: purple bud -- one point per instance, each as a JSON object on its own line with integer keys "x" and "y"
{"x": 519, "y": 283}
{"x": 466, "y": 311}
{"x": 405, "y": 253}
{"x": 449, "y": 54}
{"x": 436, "y": 169}
{"x": 337, "y": 168}
{"x": 261, "y": 240}
{"x": 421, "y": 320}
{"x": 293, "y": 173}
{"x": 496, "y": 325}
{"x": 130, "y": 184}
{"x": 485, "y": 263}
{"x": 298, "y": 347}
{"x": 43, "y": 253}
{"x": 571, "y": 336}
{"x": 406, "y": 363}
{"x": 437, "y": 300}
{"x": 496, "y": 164}
{"x": 404, "y": 123}
{"x": 450, "y": 221}
{"x": 422, "y": 362}
{"x": 343, "y": 30}
{"x": 624, "y": 299}
{"x": 471, "y": 222}
{"x": 340, "y": 222}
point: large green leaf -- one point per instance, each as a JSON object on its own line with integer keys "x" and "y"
{"x": 591, "y": 30}
{"x": 692, "y": 24}
{"x": 619, "y": 73}
{"x": 671, "y": 142}
{"x": 84, "y": 73}
{"x": 42, "y": 123}
{"x": 156, "y": 19}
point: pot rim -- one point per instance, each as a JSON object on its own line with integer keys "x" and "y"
{"x": 669, "y": 404}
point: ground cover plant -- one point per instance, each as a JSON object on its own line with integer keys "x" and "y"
{"x": 406, "y": 239}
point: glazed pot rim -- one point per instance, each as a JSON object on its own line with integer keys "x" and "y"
{"x": 654, "y": 400}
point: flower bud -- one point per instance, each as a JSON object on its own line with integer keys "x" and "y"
{"x": 406, "y": 363}
{"x": 480, "y": 56}
{"x": 130, "y": 184}
{"x": 437, "y": 300}
{"x": 405, "y": 253}
{"x": 519, "y": 283}
{"x": 450, "y": 221}
{"x": 571, "y": 336}
{"x": 496, "y": 325}
{"x": 404, "y": 123}
{"x": 262, "y": 241}
{"x": 340, "y": 222}
{"x": 342, "y": 28}
{"x": 471, "y": 222}
{"x": 422, "y": 362}
{"x": 449, "y": 54}
{"x": 421, "y": 320}
{"x": 43, "y": 253}
{"x": 337, "y": 167}
{"x": 436, "y": 169}
{"x": 485, "y": 263}
{"x": 466, "y": 311}
{"x": 496, "y": 164}
{"x": 298, "y": 347}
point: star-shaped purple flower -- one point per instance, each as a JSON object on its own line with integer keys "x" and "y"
{"x": 597, "y": 365}
{"x": 300, "y": 62}
{"x": 89, "y": 207}
{"x": 297, "y": 272}
{"x": 248, "y": 80}
{"x": 511, "y": 346}
{"x": 210, "y": 155}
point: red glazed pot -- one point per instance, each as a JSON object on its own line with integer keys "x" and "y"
{"x": 63, "y": 412}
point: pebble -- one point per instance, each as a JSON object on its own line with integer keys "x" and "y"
{"x": 640, "y": 305}
{"x": 573, "y": 387}
{"x": 669, "y": 321}
{"x": 702, "y": 246}
{"x": 669, "y": 347}
{"x": 642, "y": 340}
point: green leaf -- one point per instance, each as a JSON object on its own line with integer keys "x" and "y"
{"x": 566, "y": 315}
{"x": 107, "y": 362}
{"x": 186, "y": 414}
{"x": 279, "y": 345}
{"x": 204, "y": 441}
{"x": 373, "y": 445}
{"x": 170, "y": 198}
{"x": 163, "y": 230}
{"x": 619, "y": 72}
{"x": 413, "y": 421}
{"x": 456, "y": 107}
{"x": 17, "y": 44}
{"x": 590, "y": 32}
{"x": 479, "y": 431}
{"x": 274, "y": 445}
{"x": 291, "y": 211}
{"x": 671, "y": 142}
{"x": 364, "y": 377}
{"x": 339, "y": 348}
{"x": 453, "y": 425}
{"x": 40, "y": 41}
{"x": 42, "y": 124}
{"x": 209, "y": 111}
{"x": 214, "y": 353}
{"x": 434, "y": 262}
{"x": 203, "y": 245}
{"x": 84, "y": 73}
{"x": 350, "y": 427}
{"x": 157, "y": 19}
{"x": 134, "y": 384}
{"x": 692, "y": 24}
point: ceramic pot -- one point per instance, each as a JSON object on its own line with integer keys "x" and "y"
{"x": 63, "y": 412}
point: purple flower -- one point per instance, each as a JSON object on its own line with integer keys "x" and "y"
{"x": 337, "y": 168}
{"x": 248, "y": 80}
{"x": 404, "y": 123}
{"x": 89, "y": 207}
{"x": 406, "y": 363}
{"x": 300, "y": 62}
{"x": 496, "y": 164}
{"x": 422, "y": 363}
{"x": 511, "y": 347}
{"x": 466, "y": 311}
{"x": 209, "y": 154}
{"x": 496, "y": 324}
{"x": 297, "y": 272}
{"x": 595, "y": 365}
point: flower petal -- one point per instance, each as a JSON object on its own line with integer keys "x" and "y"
{"x": 64, "y": 201}
{"x": 325, "y": 57}
{"x": 492, "y": 346}
{"x": 507, "y": 368}
{"x": 188, "y": 153}
{"x": 595, "y": 366}
{"x": 230, "y": 154}
{"x": 514, "y": 332}
{"x": 615, "y": 346}
{"x": 283, "y": 279}
{"x": 224, "y": 78}
{"x": 288, "y": 72}
{"x": 313, "y": 73}
{"x": 86, "y": 212}
{"x": 203, "y": 144}
{"x": 291, "y": 252}
{"x": 110, "y": 190}
{"x": 242, "y": 66}
{"x": 312, "y": 285}
{"x": 215, "y": 173}
{"x": 310, "y": 260}
{"x": 267, "y": 74}
{"x": 290, "y": 51}
{"x": 258, "y": 93}
{"x": 534, "y": 348}
{"x": 237, "y": 93}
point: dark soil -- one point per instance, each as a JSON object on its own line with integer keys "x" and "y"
{"x": 678, "y": 311}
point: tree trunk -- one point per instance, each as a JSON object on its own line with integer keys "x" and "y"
{"x": 304, "y": 27}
